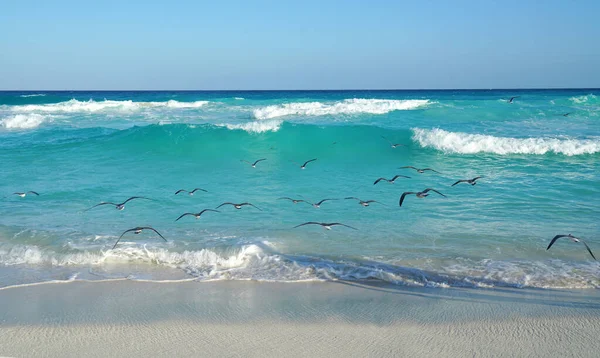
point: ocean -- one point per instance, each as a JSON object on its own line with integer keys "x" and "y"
{"x": 539, "y": 158}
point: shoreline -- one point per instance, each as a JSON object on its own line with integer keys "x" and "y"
{"x": 249, "y": 318}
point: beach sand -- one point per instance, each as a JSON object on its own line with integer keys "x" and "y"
{"x": 244, "y": 318}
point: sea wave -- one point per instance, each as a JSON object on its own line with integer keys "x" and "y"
{"x": 257, "y": 262}
{"x": 33, "y": 95}
{"x": 23, "y": 121}
{"x": 348, "y": 106}
{"x": 74, "y": 106}
{"x": 465, "y": 143}
{"x": 589, "y": 98}
{"x": 257, "y": 126}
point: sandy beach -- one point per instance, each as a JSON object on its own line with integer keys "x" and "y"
{"x": 126, "y": 318}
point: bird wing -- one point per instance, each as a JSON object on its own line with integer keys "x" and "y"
{"x": 245, "y": 161}
{"x": 378, "y": 180}
{"x": 431, "y": 170}
{"x": 399, "y": 176}
{"x": 554, "y": 240}
{"x": 588, "y": 248}
{"x": 134, "y": 197}
{"x": 352, "y": 197}
{"x": 460, "y": 181}
{"x": 228, "y": 203}
{"x": 285, "y": 198}
{"x": 242, "y": 204}
{"x": 404, "y": 195}
{"x": 260, "y": 160}
{"x": 100, "y": 204}
{"x": 183, "y": 216}
{"x": 33, "y": 192}
{"x": 324, "y": 200}
{"x": 153, "y": 229}
{"x": 408, "y": 167}
{"x": 196, "y": 189}
{"x": 430, "y": 189}
{"x": 124, "y": 232}
{"x": 340, "y": 224}
{"x": 479, "y": 177}
{"x": 203, "y": 211}
{"x": 179, "y": 191}
{"x": 386, "y": 139}
{"x": 307, "y": 223}
{"x": 308, "y": 161}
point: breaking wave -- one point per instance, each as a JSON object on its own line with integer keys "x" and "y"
{"x": 348, "y": 106}
{"x": 465, "y": 143}
{"x": 257, "y": 126}
{"x": 23, "y": 121}
{"x": 73, "y": 106}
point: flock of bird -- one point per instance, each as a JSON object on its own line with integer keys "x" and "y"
{"x": 419, "y": 194}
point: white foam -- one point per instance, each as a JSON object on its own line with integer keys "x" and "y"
{"x": 348, "y": 106}
{"x": 239, "y": 98}
{"x": 583, "y": 99}
{"x": 23, "y": 121}
{"x": 33, "y": 95}
{"x": 257, "y": 126}
{"x": 74, "y": 106}
{"x": 465, "y": 143}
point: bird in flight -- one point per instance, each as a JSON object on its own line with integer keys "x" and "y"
{"x": 318, "y": 205}
{"x": 306, "y": 162}
{"x": 469, "y": 181}
{"x": 363, "y": 202}
{"x": 419, "y": 170}
{"x": 295, "y": 201}
{"x": 237, "y": 206}
{"x": 391, "y": 180}
{"x": 419, "y": 194}
{"x": 567, "y": 114}
{"x": 197, "y": 215}
{"x": 572, "y": 238}
{"x": 325, "y": 225}
{"x": 253, "y": 165}
{"x": 119, "y": 206}
{"x": 511, "y": 99}
{"x": 393, "y": 145}
{"x": 22, "y": 195}
{"x": 190, "y": 192}
{"x": 136, "y": 231}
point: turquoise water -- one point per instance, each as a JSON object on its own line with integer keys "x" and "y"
{"x": 541, "y": 178}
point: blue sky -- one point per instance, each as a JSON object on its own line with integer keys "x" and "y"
{"x": 298, "y": 45}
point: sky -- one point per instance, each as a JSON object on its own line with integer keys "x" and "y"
{"x": 324, "y": 44}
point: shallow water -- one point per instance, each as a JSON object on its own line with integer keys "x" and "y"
{"x": 77, "y": 149}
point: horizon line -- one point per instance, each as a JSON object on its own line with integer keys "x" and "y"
{"x": 301, "y": 90}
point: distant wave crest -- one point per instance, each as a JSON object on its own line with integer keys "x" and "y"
{"x": 33, "y": 95}
{"x": 590, "y": 98}
{"x": 465, "y": 143}
{"x": 348, "y": 106}
{"x": 73, "y": 106}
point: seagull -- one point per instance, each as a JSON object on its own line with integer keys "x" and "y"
{"x": 22, "y": 195}
{"x": 295, "y": 201}
{"x": 393, "y": 145}
{"x": 325, "y": 225}
{"x": 306, "y": 162}
{"x": 138, "y": 230}
{"x": 190, "y": 192}
{"x": 567, "y": 114}
{"x": 510, "y": 100}
{"x": 120, "y": 206}
{"x": 318, "y": 205}
{"x": 237, "y": 206}
{"x": 391, "y": 180}
{"x": 419, "y": 170}
{"x": 197, "y": 215}
{"x": 574, "y": 239}
{"x": 364, "y": 202}
{"x": 419, "y": 194}
{"x": 253, "y": 165}
{"x": 470, "y": 181}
